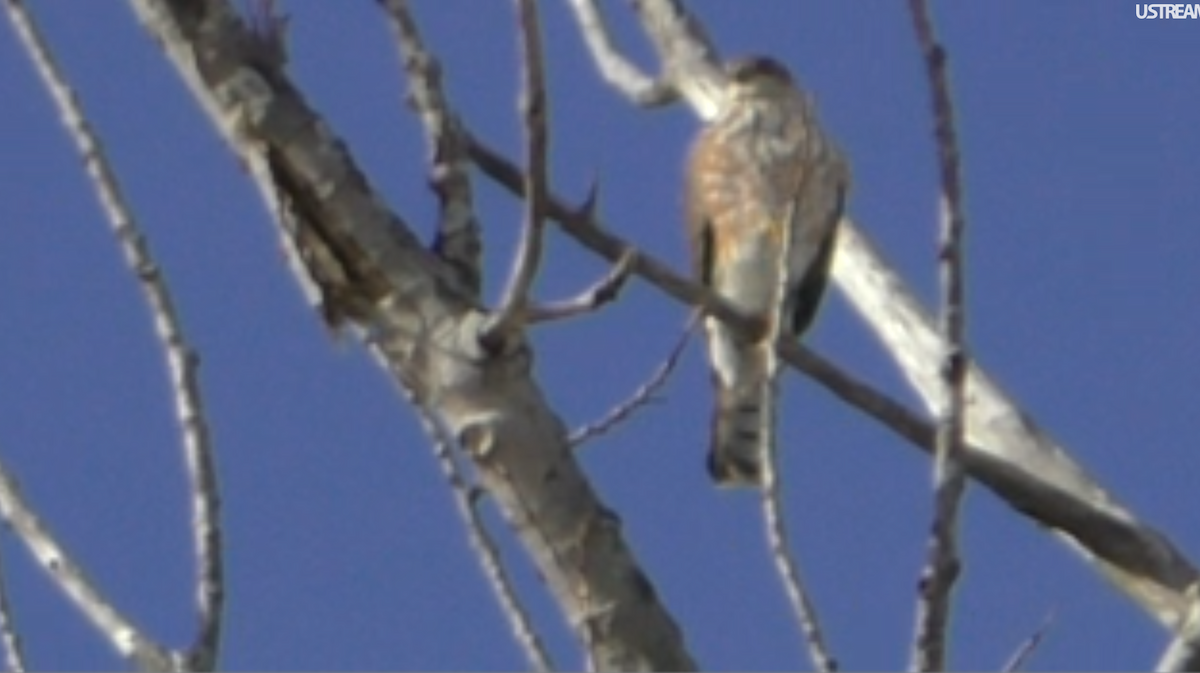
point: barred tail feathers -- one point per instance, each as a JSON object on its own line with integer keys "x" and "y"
{"x": 744, "y": 408}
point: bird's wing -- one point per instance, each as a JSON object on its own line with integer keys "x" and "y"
{"x": 819, "y": 202}
{"x": 699, "y": 206}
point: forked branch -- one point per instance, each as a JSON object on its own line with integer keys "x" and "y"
{"x": 602, "y": 293}
{"x": 414, "y": 314}
{"x": 621, "y": 73}
{"x": 510, "y": 316}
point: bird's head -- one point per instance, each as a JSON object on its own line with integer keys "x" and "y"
{"x": 757, "y": 76}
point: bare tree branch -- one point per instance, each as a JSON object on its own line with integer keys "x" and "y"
{"x": 1183, "y": 654}
{"x": 419, "y": 321}
{"x": 599, "y": 295}
{"x": 510, "y": 316}
{"x": 942, "y": 563}
{"x": 128, "y": 640}
{"x": 182, "y": 361}
{"x": 643, "y": 395}
{"x": 458, "y": 240}
{"x": 621, "y": 73}
{"x": 788, "y": 568}
{"x": 1005, "y": 450}
{"x": 1037, "y": 476}
{"x": 782, "y": 554}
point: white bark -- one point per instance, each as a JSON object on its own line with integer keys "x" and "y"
{"x": 424, "y": 329}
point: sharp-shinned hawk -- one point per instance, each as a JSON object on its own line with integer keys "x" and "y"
{"x": 760, "y": 169}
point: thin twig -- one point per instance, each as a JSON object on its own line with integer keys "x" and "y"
{"x": 510, "y": 316}
{"x": 583, "y": 227}
{"x": 640, "y": 397}
{"x": 458, "y": 239}
{"x": 618, "y": 71}
{"x": 782, "y": 555}
{"x": 789, "y": 570}
{"x": 1183, "y": 654}
{"x": 14, "y": 651}
{"x": 1021, "y": 656}
{"x": 943, "y": 563}
{"x": 466, "y": 498}
{"x": 182, "y": 362}
{"x": 602, "y": 293}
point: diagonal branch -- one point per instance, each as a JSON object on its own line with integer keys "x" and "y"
{"x": 128, "y": 640}
{"x": 782, "y": 553}
{"x": 458, "y": 239}
{"x": 510, "y": 317}
{"x": 602, "y": 293}
{"x": 182, "y": 361}
{"x": 412, "y": 311}
{"x": 1006, "y": 451}
{"x": 942, "y": 563}
{"x": 640, "y": 397}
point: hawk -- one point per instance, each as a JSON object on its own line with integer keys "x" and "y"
{"x": 761, "y": 177}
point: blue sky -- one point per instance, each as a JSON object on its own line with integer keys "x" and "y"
{"x": 344, "y": 551}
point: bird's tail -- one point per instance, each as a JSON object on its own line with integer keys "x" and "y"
{"x": 740, "y": 421}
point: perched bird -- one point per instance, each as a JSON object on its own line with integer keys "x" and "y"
{"x": 761, "y": 178}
